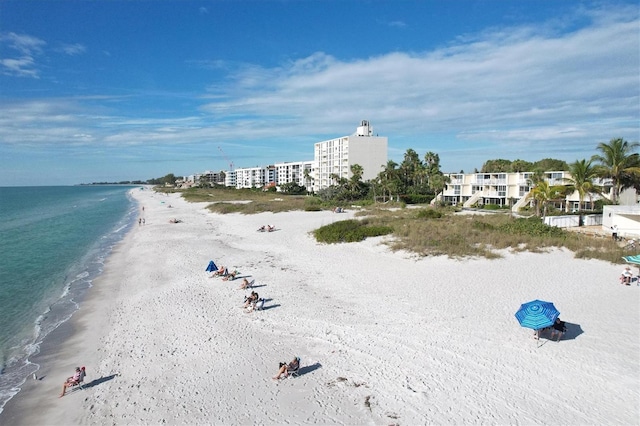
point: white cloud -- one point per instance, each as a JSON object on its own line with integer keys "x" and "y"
{"x": 25, "y": 44}
{"x": 509, "y": 92}
{"x": 397, "y": 24}
{"x": 27, "y": 48}
{"x": 72, "y": 49}
{"x": 21, "y": 67}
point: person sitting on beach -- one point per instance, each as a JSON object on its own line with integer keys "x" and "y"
{"x": 271, "y": 228}
{"x": 230, "y": 276}
{"x": 286, "y": 369}
{"x": 559, "y": 328}
{"x": 625, "y": 277}
{"x": 245, "y": 284}
{"x": 262, "y": 228}
{"x": 256, "y": 305}
{"x": 220, "y": 272}
{"x": 251, "y": 299}
{"x": 74, "y": 380}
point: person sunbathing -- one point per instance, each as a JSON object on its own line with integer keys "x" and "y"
{"x": 262, "y": 228}
{"x": 271, "y": 228}
{"x": 230, "y": 276}
{"x": 74, "y": 380}
{"x": 286, "y": 369}
{"x": 245, "y": 284}
{"x": 222, "y": 271}
{"x": 251, "y": 299}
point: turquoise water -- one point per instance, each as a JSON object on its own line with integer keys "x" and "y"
{"x": 53, "y": 241}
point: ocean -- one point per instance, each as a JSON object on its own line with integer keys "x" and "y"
{"x": 54, "y": 241}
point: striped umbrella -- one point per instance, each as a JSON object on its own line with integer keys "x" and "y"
{"x": 537, "y": 314}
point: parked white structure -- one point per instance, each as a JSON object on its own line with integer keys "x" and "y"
{"x": 625, "y": 218}
{"x": 336, "y": 156}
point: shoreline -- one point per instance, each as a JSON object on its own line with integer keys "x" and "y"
{"x": 57, "y": 351}
{"x": 384, "y": 337}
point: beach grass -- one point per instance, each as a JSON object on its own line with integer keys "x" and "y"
{"x": 424, "y": 230}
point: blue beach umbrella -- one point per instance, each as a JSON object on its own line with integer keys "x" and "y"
{"x": 211, "y": 267}
{"x": 537, "y": 314}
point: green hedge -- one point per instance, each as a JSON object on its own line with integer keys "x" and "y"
{"x": 348, "y": 231}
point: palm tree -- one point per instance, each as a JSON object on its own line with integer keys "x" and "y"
{"x": 618, "y": 163}
{"x": 544, "y": 193}
{"x": 307, "y": 178}
{"x": 583, "y": 174}
{"x": 410, "y": 169}
{"x": 535, "y": 179}
{"x": 354, "y": 182}
{"x": 389, "y": 178}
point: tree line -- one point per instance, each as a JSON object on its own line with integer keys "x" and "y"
{"x": 616, "y": 160}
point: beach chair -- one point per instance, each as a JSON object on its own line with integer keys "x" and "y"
{"x": 294, "y": 372}
{"x": 80, "y": 383}
{"x": 258, "y": 305}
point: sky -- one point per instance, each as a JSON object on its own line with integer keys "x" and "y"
{"x": 108, "y": 91}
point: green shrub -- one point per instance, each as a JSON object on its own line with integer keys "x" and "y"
{"x": 482, "y": 226}
{"x": 492, "y": 207}
{"x": 348, "y": 231}
{"x": 531, "y": 226}
{"x": 428, "y": 214}
{"x": 416, "y": 198}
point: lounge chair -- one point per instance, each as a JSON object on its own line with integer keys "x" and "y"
{"x": 80, "y": 383}
{"x": 294, "y": 372}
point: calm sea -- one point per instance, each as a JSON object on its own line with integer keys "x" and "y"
{"x": 53, "y": 243}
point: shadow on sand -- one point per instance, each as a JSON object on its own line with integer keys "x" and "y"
{"x": 573, "y": 331}
{"x": 309, "y": 368}
{"x": 96, "y": 382}
{"x": 264, "y": 308}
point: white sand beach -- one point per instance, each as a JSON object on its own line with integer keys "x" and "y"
{"x": 384, "y": 338}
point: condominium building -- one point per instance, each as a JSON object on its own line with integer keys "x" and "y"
{"x": 230, "y": 178}
{"x": 506, "y": 189}
{"x": 335, "y": 157}
{"x": 299, "y": 172}
{"x": 332, "y": 158}
{"x": 251, "y": 177}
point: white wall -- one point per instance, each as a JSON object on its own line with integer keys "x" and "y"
{"x": 627, "y": 218}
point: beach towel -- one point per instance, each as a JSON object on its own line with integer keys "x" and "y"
{"x": 211, "y": 267}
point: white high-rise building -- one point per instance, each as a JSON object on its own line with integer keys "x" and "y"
{"x": 295, "y": 172}
{"x": 336, "y": 156}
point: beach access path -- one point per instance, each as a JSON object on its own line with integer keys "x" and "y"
{"x": 384, "y": 337}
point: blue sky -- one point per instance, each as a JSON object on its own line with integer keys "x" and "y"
{"x": 122, "y": 90}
